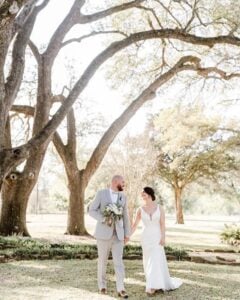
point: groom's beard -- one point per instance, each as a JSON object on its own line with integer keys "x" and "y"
{"x": 120, "y": 188}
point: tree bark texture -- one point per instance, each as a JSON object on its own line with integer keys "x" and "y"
{"x": 15, "y": 193}
{"x": 22, "y": 188}
{"x": 76, "y": 183}
{"x": 76, "y": 220}
{"x": 178, "y": 205}
{"x": 17, "y": 196}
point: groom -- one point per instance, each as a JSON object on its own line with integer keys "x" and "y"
{"x": 111, "y": 237}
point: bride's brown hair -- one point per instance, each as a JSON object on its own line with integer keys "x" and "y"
{"x": 150, "y": 191}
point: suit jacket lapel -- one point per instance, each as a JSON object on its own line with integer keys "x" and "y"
{"x": 120, "y": 199}
{"x": 108, "y": 197}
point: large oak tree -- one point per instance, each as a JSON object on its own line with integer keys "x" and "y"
{"x": 15, "y": 194}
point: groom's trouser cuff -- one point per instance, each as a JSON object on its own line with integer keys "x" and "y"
{"x": 117, "y": 253}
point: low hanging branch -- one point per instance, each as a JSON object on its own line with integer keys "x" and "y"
{"x": 74, "y": 17}
{"x": 187, "y": 63}
{"x": 78, "y": 179}
{"x": 45, "y": 134}
{"x": 109, "y": 52}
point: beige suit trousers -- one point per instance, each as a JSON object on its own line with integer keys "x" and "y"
{"x": 104, "y": 247}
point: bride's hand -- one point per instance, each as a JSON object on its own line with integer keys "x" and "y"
{"x": 162, "y": 242}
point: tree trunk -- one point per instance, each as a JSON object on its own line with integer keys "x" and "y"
{"x": 5, "y": 34}
{"x": 77, "y": 187}
{"x": 76, "y": 179}
{"x": 15, "y": 196}
{"x": 16, "y": 190}
{"x": 18, "y": 186}
{"x": 178, "y": 205}
{"x": 68, "y": 152}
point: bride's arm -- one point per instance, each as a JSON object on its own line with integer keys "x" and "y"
{"x": 136, "y": 221}
{"x": 162, "y": 226}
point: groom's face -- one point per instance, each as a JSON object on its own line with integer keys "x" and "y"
{"x": 120, "y": 185}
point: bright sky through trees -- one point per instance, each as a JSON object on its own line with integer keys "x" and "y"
{"x": 109, "y": 102}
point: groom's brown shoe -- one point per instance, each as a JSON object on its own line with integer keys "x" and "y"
{"x": 123, "y": 294}
{"x": 103, "y": 291}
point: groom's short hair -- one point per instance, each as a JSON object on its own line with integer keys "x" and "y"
{"x": 117, "y": 177}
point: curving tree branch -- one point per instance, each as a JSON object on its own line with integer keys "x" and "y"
{"x": 46, "y": 132}
{"x": 83, "y": 19}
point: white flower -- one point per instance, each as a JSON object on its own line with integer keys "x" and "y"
{"x": 115, "y": 210}
{"x": 112, "y": 213}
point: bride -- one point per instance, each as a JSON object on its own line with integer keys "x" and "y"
{"x": 152, "y": 241}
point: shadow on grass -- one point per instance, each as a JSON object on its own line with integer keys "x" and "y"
{"x": 76, "y": 279}
{"x": 193, "y": 231}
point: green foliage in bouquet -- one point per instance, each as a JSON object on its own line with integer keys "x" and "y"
{"x": 112, "y": 213}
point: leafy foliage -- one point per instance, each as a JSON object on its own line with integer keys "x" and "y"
{"x": 231, "y": 235}
{"x": 190, "y": 146}
{"x": 26, "y": 248}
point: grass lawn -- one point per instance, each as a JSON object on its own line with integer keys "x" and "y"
{"x": 76, "y": 279}
{"x": 198, "y": 232}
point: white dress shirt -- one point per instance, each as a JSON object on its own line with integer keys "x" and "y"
{"x": 114, "y": 196}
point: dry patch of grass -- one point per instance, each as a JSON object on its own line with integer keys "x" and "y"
{"x": 76, "y": 279}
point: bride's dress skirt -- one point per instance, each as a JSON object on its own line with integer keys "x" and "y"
{"x": 154, "y": 258}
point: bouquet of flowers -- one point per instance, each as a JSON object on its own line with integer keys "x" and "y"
{"x": 112, "y": 213}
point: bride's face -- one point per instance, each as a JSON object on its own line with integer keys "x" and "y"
{"x": 145, "y": 196}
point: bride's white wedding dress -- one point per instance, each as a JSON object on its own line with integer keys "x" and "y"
{"x": 154, "y": 259}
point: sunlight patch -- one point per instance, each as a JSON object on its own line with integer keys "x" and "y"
{"x": 34, "y": 266}
{"x": 45, "y": 292}
{"x": 134, "y": 281}
{"x": 199, "y": 284}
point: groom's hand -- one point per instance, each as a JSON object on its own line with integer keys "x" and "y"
{"x": 162, "y": 242}
{"x": 126, "y": 240}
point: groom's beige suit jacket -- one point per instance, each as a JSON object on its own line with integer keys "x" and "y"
{"x": 96, "y": 208}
